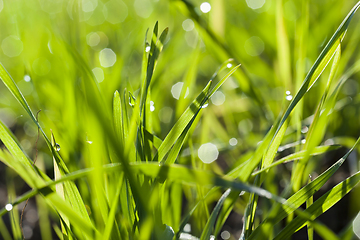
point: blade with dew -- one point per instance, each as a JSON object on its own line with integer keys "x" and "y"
{"x": 320, "y": 64}
{"x": 317, "y": 127}
{"x": 211, "y": 221}
{"x": 73, "y": 193}
{"x": 192, "y": 111}
{"x": 45, "y": 188}
{"x": 297, "y": 199}
{"x": 321, "y": 205}
{"x": 181, "y": 124}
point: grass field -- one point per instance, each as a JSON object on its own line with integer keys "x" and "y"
{"x": 179, "y": 119}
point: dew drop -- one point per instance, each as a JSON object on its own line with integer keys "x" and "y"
{"x": 229, "y": 65}
{"x": 304, "y": 129}
{"x": 147, "y": 49}
{"x": 57, "y": 147}
{"x": 205, "y": 105}
{"x": 289, "y": 97}
{"x": 132, "y": 100}
{"x": 89, "y": 142}
{"x": 27, "y": 78}
{"x": 8, "y": 207}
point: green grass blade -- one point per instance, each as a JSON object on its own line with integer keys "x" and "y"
{"x": 297, "y": 199}
{"x": 320, "y": 63}
{"x": 181, "y": 124}
{"x": 211, "y": 221}
{"x": 296, "y": 156}
{"x": 111, "y": 217}
{"x": 118, "y": 116}
{"x": 322, "y": 205}
{"x": 317, "y": 127}
{"x": 73, "y": 193}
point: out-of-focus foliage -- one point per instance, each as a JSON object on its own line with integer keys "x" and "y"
{"x": 67, "y": 58}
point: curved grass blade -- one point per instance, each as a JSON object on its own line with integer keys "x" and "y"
{"x": 296, "y": 156}
{"x": 181, "y": 124}
{"x": 321, "y": 205}
{"x": 191, "y": 112}
{"x": 320, "y": 63}
{"x": 73, "y": 193}
{"x": 48, "y": 192}
{"x": 297, "y": 199}
{"x": 317, "y": 127}
{"x": 205, "y": 235}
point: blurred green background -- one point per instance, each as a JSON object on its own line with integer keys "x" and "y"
{"x": 38, "y": 39}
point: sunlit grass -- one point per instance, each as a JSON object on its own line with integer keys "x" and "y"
{"x": 170, "y": 119}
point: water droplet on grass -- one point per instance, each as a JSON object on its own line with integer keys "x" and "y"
{"x": 8, "y": 207}
{"x": 289, "y": 97}
{"x": 57, "y": 147}
{"x": 304, "y": 129}
{"x": 132, "y": 100}
{"x": 27, "y": 78}
{"x": 205, "y": 105}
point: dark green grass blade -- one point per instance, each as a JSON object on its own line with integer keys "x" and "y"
{"x": 321, "y": 205}
{"x": 211, "y": 221}
{"x": 297, "y": 199}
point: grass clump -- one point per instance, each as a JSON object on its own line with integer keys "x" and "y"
{"x": 126, "y": 158}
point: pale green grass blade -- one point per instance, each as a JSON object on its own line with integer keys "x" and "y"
{"x": 154, "y": 139}
{"x": 317, "y": 127}
{"x": 189, "y": 81}
{"x": 320, "y": 63}
{"x": 296, "y": 156}
{"x": 283, "y": 49}
{"x": 22, "y": 165}
{"x": 60, "y": 190}
{"x": 118, "y": 116}
{"x": 111, "y": 217}
{"x": 322, "y": 205}
{"x": 211, "y": 221}
{"x": 227, "y": 64}
{"x": 273, "y": 148}
{"x": 49, "y": 194}
{"x": 14, "y": 213}
{"x": 179, "y": 143}
{"x": 155, "y": 50}
{"x": 244, "y": 170}
{"x": 297, "y": 199}
{"x": 73, "y": 193}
